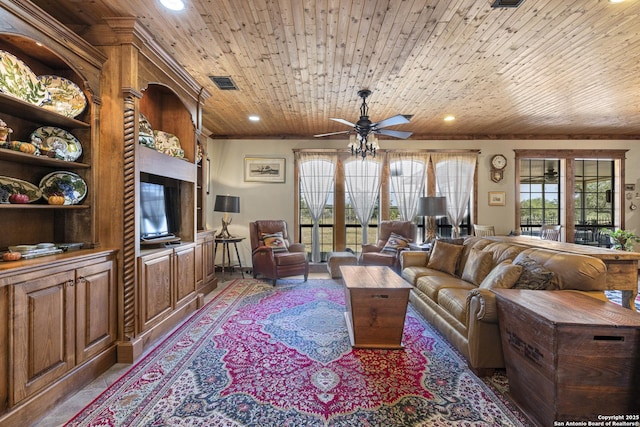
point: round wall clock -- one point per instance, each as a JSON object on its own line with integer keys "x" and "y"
{"x": 499, "y": 161}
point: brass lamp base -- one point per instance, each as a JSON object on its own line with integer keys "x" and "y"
{"x": 224, "y": 233}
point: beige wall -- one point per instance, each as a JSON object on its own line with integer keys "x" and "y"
{"x": 275, "y": 201}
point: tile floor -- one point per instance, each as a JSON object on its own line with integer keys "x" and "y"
{"x": 76, "y": 402}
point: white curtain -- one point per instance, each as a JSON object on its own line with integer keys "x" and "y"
{"x": 454, "y": 180}
{"x": 408, "y": 176}
{"x": 362, "y": 177}
{"x": 317, "y": 173}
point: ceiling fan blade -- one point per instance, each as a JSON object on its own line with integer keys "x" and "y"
{"x": 394, "y": 133}
{"x": 333, "y": 133}
{"x": 400, "y": 119}
{"x": 344, "y": 122}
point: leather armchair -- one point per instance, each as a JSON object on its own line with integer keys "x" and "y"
{"x": 276, "y": 264}
{"x": 373, "y": 254}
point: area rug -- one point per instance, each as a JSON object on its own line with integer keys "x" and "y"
{"x": 258, "y": 355}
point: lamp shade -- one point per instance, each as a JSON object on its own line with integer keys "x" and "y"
{"x": 227, "y": 203}
{"x": 432, "y": 206}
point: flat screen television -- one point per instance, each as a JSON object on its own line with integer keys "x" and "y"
{"x": 159, "y": 211}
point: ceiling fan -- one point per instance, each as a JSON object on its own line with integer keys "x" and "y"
{"x": 551, "y": 175}
{"x": 363, "y": 135}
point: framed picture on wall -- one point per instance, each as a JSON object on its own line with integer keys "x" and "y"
{"x": 497, "y": 198}
{"x": 264, "y": 169}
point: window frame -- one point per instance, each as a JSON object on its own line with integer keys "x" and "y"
{"x": 568, "y": 158}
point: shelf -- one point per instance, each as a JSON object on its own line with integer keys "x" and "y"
{"x": 20, "y": 157}
{"x": 24, "y": 110}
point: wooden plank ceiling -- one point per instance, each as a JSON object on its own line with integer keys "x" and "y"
{"x": 549, "y": 68}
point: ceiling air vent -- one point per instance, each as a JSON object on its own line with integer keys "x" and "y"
{"x": 507, "y": 3}
{"x": 224, "y": 83}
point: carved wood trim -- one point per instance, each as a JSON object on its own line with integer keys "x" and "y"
{"x": 130, "y": 237}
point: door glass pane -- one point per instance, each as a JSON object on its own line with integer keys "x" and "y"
{"x": 594, "y": 200}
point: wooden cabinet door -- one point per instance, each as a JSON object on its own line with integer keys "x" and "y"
{"x": 154, "y": 285}
{"x": 43, "y": 332}
{"x": 96, "y": 309}
{"x": 200, "y": 265}
{"x": 185, "y": 273}
{"x": 209, "y": 261}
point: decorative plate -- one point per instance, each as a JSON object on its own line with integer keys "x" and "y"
{"x": 145, "y": 132}
{"x": 168, "y": 143}
{"x": 17, "y": 80}
{"x": 62, "y": 183}
{"x": 62, "y": 143}
{"x": 66, "y": 97}
{"x": 9, "y": 186}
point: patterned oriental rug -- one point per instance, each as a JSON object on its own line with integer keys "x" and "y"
{"x": 258, "y": 355}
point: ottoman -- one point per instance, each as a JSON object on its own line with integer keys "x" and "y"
{"x": 336, "y": 259}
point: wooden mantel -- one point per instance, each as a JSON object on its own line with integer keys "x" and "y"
{"x": 622, "y": 266}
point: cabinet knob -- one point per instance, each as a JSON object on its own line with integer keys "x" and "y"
{"x": 71, "y": 283}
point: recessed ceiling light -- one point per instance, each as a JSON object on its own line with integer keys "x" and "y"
{"x": 449, "y": 118}
{"x": 254, "y": 118}
{"x": 173, "y": 4}
{"x": 616, "y": 1}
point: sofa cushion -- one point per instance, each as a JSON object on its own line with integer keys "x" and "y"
{"x": 534, "y": 275}
{"x": 431, "y": 285}
{"x": 478, "y": 265}
{"x": 396, "y": 243}
{"x": 503, "y": 275}
{"x": 275, "y": 241}
{"x": 444, "y": 257}
{"x": 454, "y": 300}
{"x": 412, "y": 274}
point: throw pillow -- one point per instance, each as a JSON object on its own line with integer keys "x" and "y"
{"x": 503, "y": 275}
{"x": 534, "y": 276}
{"x": 477, "y": 267}
{"x": 444, "y": 257}
{"x": 396, "y": 243}
{"x": 275, "y": 241}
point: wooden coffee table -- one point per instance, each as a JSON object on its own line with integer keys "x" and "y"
{"x": 376, "y": 301}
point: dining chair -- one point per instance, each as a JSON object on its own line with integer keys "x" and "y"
{"x": 550, "y": 232}
{"x": 483, "y": 230}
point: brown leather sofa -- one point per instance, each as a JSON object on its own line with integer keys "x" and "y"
{"x": 374, "y": 254}
{"x": 456, "y": 298}
{"x": 276, "y": 261}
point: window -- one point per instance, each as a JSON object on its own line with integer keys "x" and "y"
{"x": 339, "y": 225}
{"x": 594, "y": 198}
{"x": 578, "y": 189}
{"x": 539, "y": 194}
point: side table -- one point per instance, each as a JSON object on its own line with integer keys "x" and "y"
{"x": 226, "y": 253}
{"x": 420, "y": 247}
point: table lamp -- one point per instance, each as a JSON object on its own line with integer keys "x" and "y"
{"x": 430, "y": 208}
{"x": 227, "y": 204}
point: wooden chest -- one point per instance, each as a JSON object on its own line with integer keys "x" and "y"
{"x": 376, "y": 301}
{"x": 569, "y": 357}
